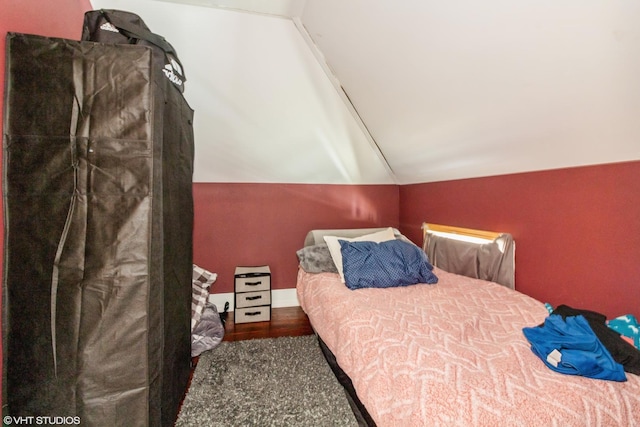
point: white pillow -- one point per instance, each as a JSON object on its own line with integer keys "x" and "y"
{"x": 334, "y": 245}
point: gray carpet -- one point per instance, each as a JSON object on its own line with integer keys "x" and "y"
{"x": 265, "y": 382}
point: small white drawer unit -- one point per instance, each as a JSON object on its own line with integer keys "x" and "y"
{"x": 252, "y": 294}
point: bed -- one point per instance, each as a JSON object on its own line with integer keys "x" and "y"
{"x": 451, "y": 353}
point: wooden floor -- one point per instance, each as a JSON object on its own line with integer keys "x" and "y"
{"x": 285, "y": 322}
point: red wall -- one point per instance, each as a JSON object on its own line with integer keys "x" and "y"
{"x": 255, "y": 224}
{"x": 60, "y": 18}
{"x": 577, "y": 230}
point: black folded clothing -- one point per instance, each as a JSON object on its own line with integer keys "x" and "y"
{"x": 621, "y": 351}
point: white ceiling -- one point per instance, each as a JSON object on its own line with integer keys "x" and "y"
{"x": 452, "y": 89}
{"x": 445, "y": 90}
{"x": 285, "y": 8}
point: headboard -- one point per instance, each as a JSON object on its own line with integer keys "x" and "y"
{"x": 317, "y": 236}
{"x": 481, "y": 254}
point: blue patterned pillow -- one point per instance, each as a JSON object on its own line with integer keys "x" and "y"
{"x": 384, "y": 265}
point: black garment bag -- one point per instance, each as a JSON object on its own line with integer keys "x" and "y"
{"x": 98, "y": 152}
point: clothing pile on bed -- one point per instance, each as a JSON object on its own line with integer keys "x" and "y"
{"x": 581, "y": 342}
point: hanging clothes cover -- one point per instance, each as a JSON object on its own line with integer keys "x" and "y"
{"x": 174, "y": 128}
{"x": 98, "y": 214}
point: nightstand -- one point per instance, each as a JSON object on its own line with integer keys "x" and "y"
{"x": 252, "y": 294}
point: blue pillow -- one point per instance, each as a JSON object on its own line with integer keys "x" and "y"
{"x": 384, "y": 265}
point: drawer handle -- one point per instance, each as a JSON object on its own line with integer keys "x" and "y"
{"x": 253, "y": 313}
{"x": 253, "y": 283}
{"x": 254, "y": 298}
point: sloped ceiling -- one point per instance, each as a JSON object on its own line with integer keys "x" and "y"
{"x": 455, "y": 89}
{"x": 373, "y": 91}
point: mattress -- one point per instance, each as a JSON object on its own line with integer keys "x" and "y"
{"x": 453, "y": 354}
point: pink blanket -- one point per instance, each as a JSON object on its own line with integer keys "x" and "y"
{"x": 453, "y": 354}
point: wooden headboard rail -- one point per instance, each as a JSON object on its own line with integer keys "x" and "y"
{"x": 481, "y": 234}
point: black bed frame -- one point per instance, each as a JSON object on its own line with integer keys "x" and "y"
{"x": 360, "y": 412}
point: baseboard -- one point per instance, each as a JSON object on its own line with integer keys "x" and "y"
{"x": 279, "y": 298}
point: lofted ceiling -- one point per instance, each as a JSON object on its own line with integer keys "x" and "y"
{"x": 373, "y": 91}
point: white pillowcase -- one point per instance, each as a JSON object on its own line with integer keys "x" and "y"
{"x": 334, "y": 245}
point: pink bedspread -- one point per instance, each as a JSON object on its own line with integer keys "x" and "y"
{"x": 453, "y": 354}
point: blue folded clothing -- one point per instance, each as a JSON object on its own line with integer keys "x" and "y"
{"x": 570, "y": 346}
